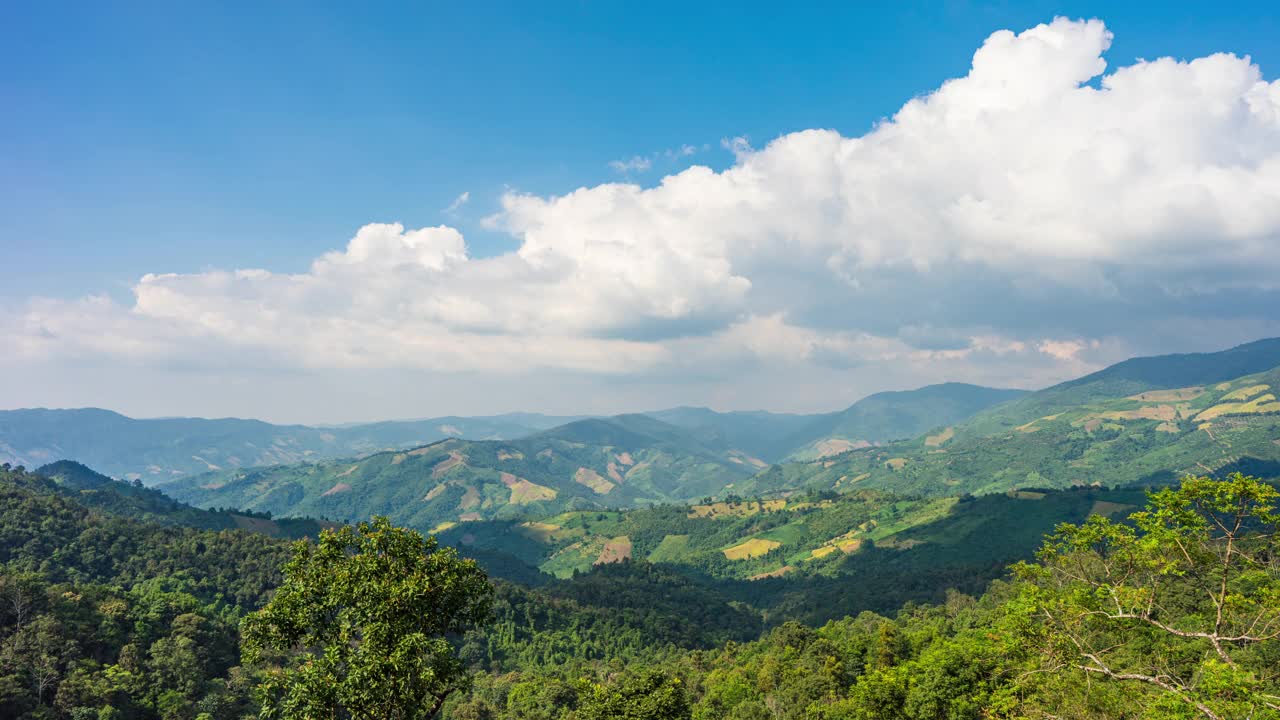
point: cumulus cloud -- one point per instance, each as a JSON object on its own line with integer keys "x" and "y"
{"x": 1039, "y": 215}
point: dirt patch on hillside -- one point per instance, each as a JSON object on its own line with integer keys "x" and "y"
{"x": 592, "y": 479}
{"x": 524, "y": 492}
{"x": 1150, "y": 412}
{"x": 455, "y": 459}
{"x": 398, "y": 458}
{"x": 1166, "y": 396}
{"x": 339, "y": 488}
{"x": 348, "y": 471}
{"x": 420, "y": 451}
{"x": 510, "y": 455}
{"x": 895, "y": 463}
{"x": 1026, "y": 494}
{"x": 940, "y": 438}
{"x": 1107, "y": 509}
{"x": 615, "y": 473}
{"x": 470, "y": 499}
{"x": 836, "y": 446}
{"x": 616, "y": 550}
{"x": 625, "y": 458}
{"x": 434, "y": 492}
{"x": 469, "y": 517}
{"x": 772, "y": 573}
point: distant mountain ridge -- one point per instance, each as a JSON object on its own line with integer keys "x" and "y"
{"x": 894, "y": 415}
{"x": 624, "y": 461}
{"x": 1146, "y": 420}
{"x": 157, "y": 450}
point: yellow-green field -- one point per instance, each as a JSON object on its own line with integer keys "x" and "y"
{"x": 752, "y": 548}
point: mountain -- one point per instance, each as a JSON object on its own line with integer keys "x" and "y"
{"x": 892, "y": 416}
{"x": 156, "y": 450}
{"x": 758, "y": 433}
{"x": 99, "y": 492}
{"x": 1137, "y": 421}
{"x": 1131, "y": 377}
{"x": 625, "y": 461}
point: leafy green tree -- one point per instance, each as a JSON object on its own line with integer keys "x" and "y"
{"x": 1183, "y": 603}
{"x": 651, "y": 695}
{"x": 362, "y": 626}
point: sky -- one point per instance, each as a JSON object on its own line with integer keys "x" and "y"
{"x": 315, "y": 212}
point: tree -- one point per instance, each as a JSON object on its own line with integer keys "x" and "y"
{"x": 1184, "y": 601}
{"x": 649, "y": 696}
{"x": 362, "y": 626}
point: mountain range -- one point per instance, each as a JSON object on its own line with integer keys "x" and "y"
{"x": 162, "y": 449}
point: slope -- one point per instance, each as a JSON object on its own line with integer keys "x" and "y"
{"x": 627, "y": 461}
{"x": 99, "y": 492}
{"x": 891, "y": 416}
{"x": 866, "y": 550}
{"x": 1156, "y": 434}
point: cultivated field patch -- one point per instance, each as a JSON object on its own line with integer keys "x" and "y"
{"x": 454, "y": 460}
{"x": 752, "y": 548}
{"x": 1167, "y": 396}
{"x": 591, "y": 479}
{"x": 616, "y": 550}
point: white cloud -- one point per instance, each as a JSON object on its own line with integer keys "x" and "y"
{"x": 637, "y": 163}
{"x": 458, "y": 202}
{"x": 1015, "y": 221}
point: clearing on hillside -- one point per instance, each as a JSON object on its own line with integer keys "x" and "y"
{"x": 1164, "y": 396}
{"x": 339, "y": 488}
{"x": 524, "y": 492}
{"x": 592, "y": 479}
{"x": 940, "y": 438}
{"x": 735, "y": 509}
{"x": 673, "y": 548}
{"x": 772, "y": 573}
{"x": 616, "y": 550}
{"x": 752, "y": 548}
{"x": 1106, "y": 508}
{"x": 455, "y": 459}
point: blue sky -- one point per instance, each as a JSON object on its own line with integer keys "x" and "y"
{"x": 174, "y": 138}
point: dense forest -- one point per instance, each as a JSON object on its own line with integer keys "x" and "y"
{"x": 1173, "y": 611}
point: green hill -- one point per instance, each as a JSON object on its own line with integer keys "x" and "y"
{"x": 627, "y": 461}
{"x": 798, "y": 537}
{"x": 132, "y": 500}
{"x": 760, "y": 434}
{"x": 1135, "y": 422}
{"x": 891, "y": 416}
{"x": 159, "y": 450}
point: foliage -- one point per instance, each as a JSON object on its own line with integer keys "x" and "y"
{"x": 1186, "y": 601}
{"x": 363, "y": 619}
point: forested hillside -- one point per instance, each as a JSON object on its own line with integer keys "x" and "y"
{"x": 627, "y": 461}
{"x": 151, "y": 628}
